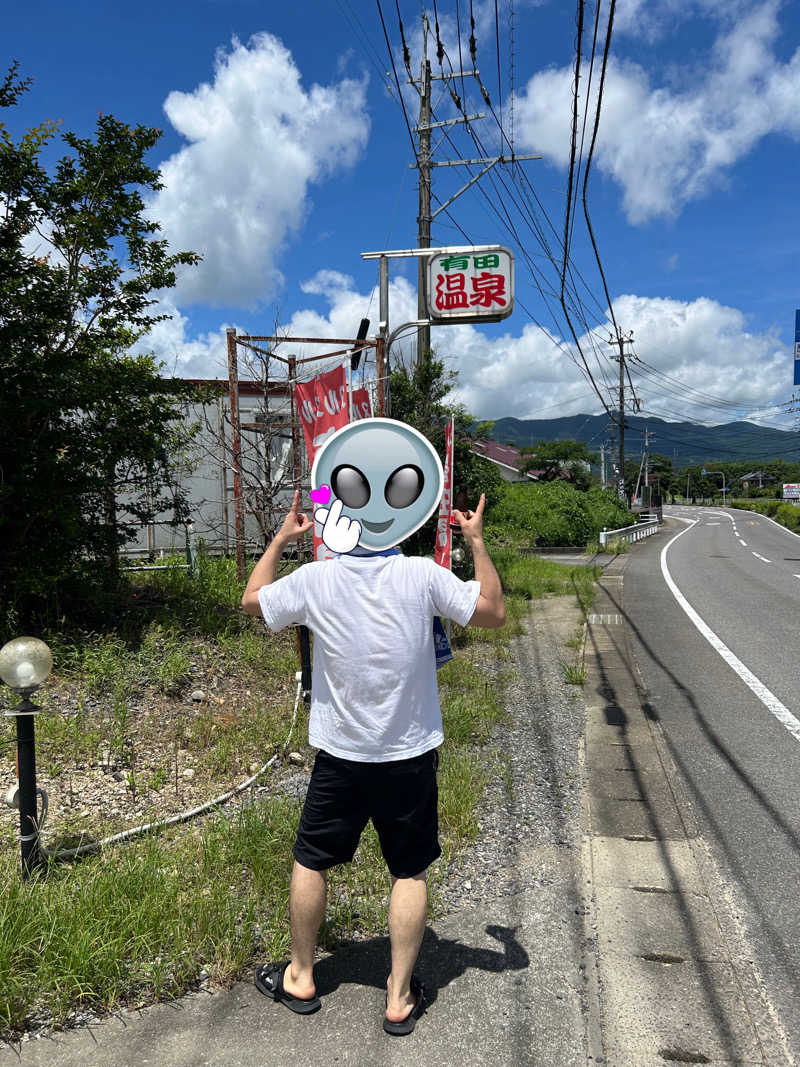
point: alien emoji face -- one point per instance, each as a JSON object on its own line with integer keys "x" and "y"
{"x": 387, "y": 476}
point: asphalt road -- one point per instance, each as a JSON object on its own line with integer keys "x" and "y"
{"x": 737, "y": 745}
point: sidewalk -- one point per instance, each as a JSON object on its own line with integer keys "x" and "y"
{"x": 504, "y": 973}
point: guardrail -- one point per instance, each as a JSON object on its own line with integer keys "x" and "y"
{"x": 629, "y": 533}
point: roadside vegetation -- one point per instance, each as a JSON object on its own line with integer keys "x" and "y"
{"x": 156, "y": 916}
{"x": 554, "y": 513}
{"x": 786, "y": 514}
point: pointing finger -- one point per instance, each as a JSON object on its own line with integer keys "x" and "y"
{"x": 335, "y": 511}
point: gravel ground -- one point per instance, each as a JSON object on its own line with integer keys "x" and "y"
{"x": 538, "y": 756}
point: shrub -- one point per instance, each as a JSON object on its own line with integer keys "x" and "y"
{"x": 554, "y": 513}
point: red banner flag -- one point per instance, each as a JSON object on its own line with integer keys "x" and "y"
{"x": 322, "y": 406}
{"x": 443, "y": 535}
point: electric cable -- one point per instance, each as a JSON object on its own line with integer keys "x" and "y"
{"x": 397, "y": 82}
{"x": 358, "y": 28}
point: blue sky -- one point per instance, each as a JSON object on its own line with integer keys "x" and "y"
{"x": 285, "y": 155}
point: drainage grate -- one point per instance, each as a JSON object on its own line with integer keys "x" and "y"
{"x": 605, "y": 620}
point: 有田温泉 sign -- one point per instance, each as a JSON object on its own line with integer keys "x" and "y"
{"x": 471, "y": 286}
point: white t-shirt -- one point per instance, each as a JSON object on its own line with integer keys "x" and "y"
{"x": 373, "y": 695}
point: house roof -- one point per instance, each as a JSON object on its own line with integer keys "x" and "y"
{"x": 756, "y": 474}
{"x": 498, "y": 453}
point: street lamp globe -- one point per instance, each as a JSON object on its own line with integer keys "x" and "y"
{"x": 25, "y": 663}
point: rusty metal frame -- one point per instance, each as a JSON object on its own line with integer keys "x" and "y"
{"x": 353, "y": 345}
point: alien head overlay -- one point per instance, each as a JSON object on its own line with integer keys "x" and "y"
{"x": 387, "y": 476}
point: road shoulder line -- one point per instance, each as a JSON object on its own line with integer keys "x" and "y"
{"x": 765, "y": 695}
{"x": 673, "y": 974}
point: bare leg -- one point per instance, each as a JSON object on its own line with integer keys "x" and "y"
{"x": 307, "y": 897}
{"x": 408, "y": 909}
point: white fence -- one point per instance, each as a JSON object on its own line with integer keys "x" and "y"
{"x": 629, "y": 533}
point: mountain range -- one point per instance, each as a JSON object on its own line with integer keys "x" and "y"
{"x": 686, "y": 443}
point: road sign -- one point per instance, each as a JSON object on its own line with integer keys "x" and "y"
{"x": 471, "y": 285}
{"x": 791, "y": 490}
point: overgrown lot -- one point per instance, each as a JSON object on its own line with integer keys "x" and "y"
{"x": 122, "y": 741}
{"x": 554, "y": 513}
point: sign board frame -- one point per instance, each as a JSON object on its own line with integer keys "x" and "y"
{"x": 470, "y": 285}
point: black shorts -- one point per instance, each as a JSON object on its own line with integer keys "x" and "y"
{"x": 401, "y": 797}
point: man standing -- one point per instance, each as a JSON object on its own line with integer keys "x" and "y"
{"x": 376, "y": 721}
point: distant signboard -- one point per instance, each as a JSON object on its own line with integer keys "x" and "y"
{"x": 471, "y": 286}
{"x": 791, "y": 490}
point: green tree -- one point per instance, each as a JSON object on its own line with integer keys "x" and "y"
{"x": 565, "y": 460}
{"x": 81, "y": 419}
{"x": 418, "y": 396}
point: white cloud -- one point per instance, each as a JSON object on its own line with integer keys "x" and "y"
{"x": 708, "y": 348}
{"x": 183, "y": 355}
{"x": 704, "y": 345}
{"x": 238, "y": 191}
{"x": 667, "y": 146}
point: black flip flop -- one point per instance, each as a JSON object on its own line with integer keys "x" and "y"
{"x": 407, "y": 1025}
{"x": 269, "y": 981}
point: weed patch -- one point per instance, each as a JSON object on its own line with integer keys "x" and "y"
{"x": 173, "y": 704}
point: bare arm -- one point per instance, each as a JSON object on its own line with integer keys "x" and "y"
{"x": 294, "y": 527}
{"x": 490, "y": 611}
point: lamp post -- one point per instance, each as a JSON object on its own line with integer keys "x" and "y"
{"x": 724, "y": 490}
{"x": 25, "y": 663}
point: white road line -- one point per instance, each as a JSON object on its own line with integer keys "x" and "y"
{"x": 744, "y": 543}
{"x": 766, "y": 696}
{"x": 762, "y": 558}
{"x": 797, "y": 576}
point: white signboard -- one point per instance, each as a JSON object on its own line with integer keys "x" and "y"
{"x": 471, "y": 286}
{"x": 791, "y": 490}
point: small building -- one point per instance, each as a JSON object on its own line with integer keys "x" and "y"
{"x": 506, "y": 458}
{"x": 762, "y": 478}
{"x": 207, "y": 476}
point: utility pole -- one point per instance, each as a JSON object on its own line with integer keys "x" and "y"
{"x": 424, "y": 214}
{"x": 602, "y": 466}
{"x": 620, "y": 341}
{"x": 647, "y": 435}
{"x": 425, "y": 163}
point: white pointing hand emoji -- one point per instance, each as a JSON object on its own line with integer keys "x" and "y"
{"x": 339, "y": 533}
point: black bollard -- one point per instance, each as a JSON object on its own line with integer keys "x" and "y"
{"x": 26, "y": 757}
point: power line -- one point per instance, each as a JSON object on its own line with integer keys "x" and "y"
{"x": 397, "y": 80}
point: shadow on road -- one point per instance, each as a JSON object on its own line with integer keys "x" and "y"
{"x": 441, "y": 961}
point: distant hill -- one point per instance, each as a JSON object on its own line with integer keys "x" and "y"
{"x": 686, "y": 443}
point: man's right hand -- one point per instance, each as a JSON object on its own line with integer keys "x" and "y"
{"x": 296, "y": 524}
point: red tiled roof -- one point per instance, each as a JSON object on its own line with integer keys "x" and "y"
{"x": 499, "y": 453}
